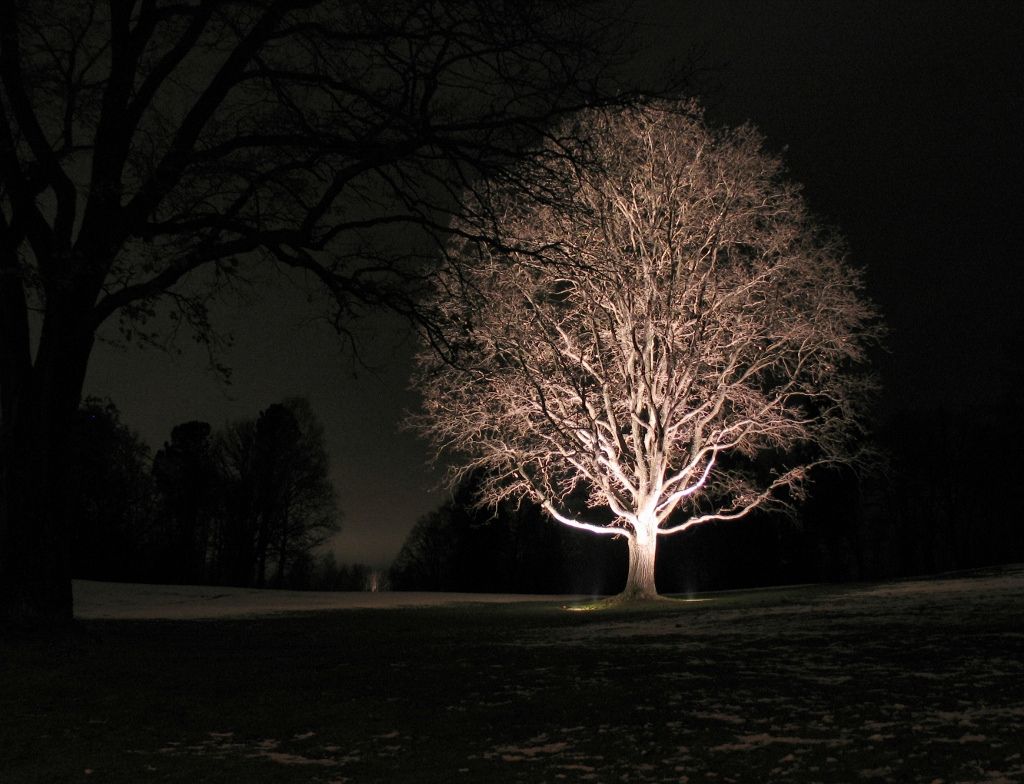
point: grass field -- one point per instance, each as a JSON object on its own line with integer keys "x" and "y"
{"x": 903, "y": 682}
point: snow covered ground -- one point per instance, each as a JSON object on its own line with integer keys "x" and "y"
{"x": 130, "y": 601}
{"x": 805, "y": 609}
{"x": 908, "y": 682}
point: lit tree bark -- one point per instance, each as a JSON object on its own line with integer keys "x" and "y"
{"x": 640, "y": 575}
{"x": 667, "y": 331}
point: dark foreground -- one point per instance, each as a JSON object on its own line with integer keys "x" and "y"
{"x": 904, "y": 682}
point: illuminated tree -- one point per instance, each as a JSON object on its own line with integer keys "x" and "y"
{"x": 152, "y": 152}
{"x": 668, "y": 335}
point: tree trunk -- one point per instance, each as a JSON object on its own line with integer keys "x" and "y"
{"x": 35, "y": 564}
{"x": 35, "y": 571}
{"x": 261, "y": 555}
{"x": 282, "y": 552}
{"x": 640, "y": 578}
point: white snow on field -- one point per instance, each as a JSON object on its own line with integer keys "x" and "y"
{"x": 742, "y": 612}
{"x": 1009, "y": 581}
{"x": 183, "y": 602}
{"x": 748, "y": 677}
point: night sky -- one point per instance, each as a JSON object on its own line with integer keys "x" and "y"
{"x": 904, "y": 122}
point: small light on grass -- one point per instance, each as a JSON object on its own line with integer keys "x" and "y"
{"x": 614, "y": 602}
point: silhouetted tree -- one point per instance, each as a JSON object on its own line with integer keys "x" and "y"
{"x": 111, "y": 492}
{"x": 234, "y": 540}
{"x": 279, "y": 503}
{"x": 426, "y": 561}
{"x": 673, "y": 333}
{"x": 186, "y": 480}
{"x": 150, "y": 152}
{"x": 298, "y": 507}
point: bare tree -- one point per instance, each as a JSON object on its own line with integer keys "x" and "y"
{"x": 151, "y": 151}
{"x": 185, "y": 479}
{"x": 278, "y": 503}
{"x": 298, "y": 504}
{"x": 674, "y": 339}
{"x": 234, "y": 535}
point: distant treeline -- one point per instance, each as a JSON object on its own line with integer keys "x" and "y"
{"x": 938, "y": 503}
{"x": 245, "y": 505}
{"x": 251, "y": 503}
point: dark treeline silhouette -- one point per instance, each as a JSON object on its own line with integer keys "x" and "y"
{"x": 951, "y": 498}
{"x": 511, "y": 549}
{"x": 326, "y": 574}
{"x": 932, "y": 508}
{"x": 247, "y": 505}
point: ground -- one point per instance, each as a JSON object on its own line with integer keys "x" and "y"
{"x": 915, "y": 681}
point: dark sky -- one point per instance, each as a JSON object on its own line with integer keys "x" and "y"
{"x": 904, "y": 122}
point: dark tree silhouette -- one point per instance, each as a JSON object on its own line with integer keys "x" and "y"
{"x": 150, "y": 152}
{"x": 111, "y": 488}
{"x": 234, "y": 538}
{"x": 279, "y": 503}
{"x": 426, "y": 561}
{"x": 328, "y": 575}
{"x": 186, "y": 480}
{"x": 512, "y": 548}
{"x": 297, "y": 504}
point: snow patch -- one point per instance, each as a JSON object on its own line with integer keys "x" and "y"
{"x": 283, "y": 758}
{"x": 517, "y": 753}
{"x": 759, "y": 740}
